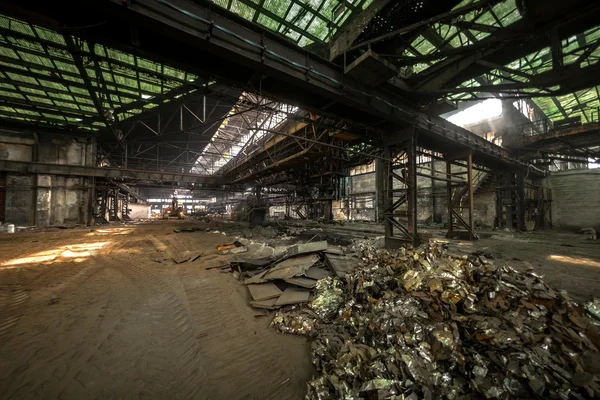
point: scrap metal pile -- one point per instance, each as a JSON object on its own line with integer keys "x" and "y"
{"x": 424, "y": 324}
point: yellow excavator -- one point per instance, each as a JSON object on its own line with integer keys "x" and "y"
{"x": 174, "y": 211}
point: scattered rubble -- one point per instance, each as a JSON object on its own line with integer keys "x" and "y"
{"x": 231, "y": 248}
{"x": 425, "y": 324}
{"x": 289, "y": 277}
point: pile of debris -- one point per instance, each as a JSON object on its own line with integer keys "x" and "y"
{"x": 425, "y": 324}
{"x": 291, "y": 279}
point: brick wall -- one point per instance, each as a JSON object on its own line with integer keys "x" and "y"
{"x": 575, "y": 199}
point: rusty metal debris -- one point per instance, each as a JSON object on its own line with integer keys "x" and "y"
{"x": 424, "y": 324}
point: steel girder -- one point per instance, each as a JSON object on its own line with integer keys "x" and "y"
{"x": 245, "y": 54}
{"x": 400, "y": 189}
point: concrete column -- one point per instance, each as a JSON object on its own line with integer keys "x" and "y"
{"x": 43, "y": 212}
{"x": 328, "y": 210}
{"x": 116, "y": 203}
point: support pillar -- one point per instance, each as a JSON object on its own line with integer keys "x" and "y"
{"x": 116, "y": 204}
{"x": 456, "y": 200}
{"x": 433, "y": 194}
{"x": 449, "y": 200}
{"x": 411, "y": 189}
{"x": 388, "y": 186}
{"x": 508, "y": 193}
{"x": 520, "y": 192}
{"x": 470, "y": 195}
{"x": 380, "y": 173}
{"x": 328, "y": 210}
{"x": 405, "y": 192}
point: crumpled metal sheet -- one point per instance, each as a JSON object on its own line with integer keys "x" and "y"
{"x": 593, "y": 307}
{"x": 328, "y": 298}
{"x": 294, "y": 323}
{"x": 424, "y": 324}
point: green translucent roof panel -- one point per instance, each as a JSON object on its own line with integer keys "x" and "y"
{"x": 303, "y": 21}
{"x": 40, "y": 81}
{"x": 502, "y": 14}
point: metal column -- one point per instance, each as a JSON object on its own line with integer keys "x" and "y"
{"x": 449, "y": 198}
{"x": 470, "y": 194}
{"x": 411, "y": 189}
{"x": 116, "y": 204}
{"x": 405, "y": 162}
{"x": 520, "y": 192}
{"x": 456, "y": 199}
{"x": 380, "y": 174}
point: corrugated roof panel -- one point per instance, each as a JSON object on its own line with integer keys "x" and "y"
{"x": 21, "y": 78}
{"x": 268, "y": 22}
{"x": 242, "y": 10}
{"x": 13, "y": 95}
{"x": 8, "y": 52}
{"x": 40, "y": 99}
{"x": 278, "y": 7}
{"x": 49, "y": 35}
{"x": 119, "y": 56}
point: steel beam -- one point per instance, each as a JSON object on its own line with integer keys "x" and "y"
{"x": 85, "y": 171}
{"x": 353, "y": 28}
{"x": 75, "y": 53}
{"x": 239, "y": 50}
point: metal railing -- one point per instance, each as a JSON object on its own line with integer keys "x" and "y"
{"x": 545, "y": 125}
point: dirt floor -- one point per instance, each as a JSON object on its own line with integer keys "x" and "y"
{"x": 89, "y": 314}
{"x": 93, "y": 314}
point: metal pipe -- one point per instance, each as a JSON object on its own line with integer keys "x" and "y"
{"x": 440, "y": 179}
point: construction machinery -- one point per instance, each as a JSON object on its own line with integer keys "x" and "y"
{"x": 174, "y": 211}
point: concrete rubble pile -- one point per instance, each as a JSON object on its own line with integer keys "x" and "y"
{"x": 424, "y": 324}
{"x": 290, "y": 279}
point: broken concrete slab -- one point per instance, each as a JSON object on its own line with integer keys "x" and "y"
{"x": 334, "y": 250}
{"x": 249, "y": 264}
{"x": 291, "y": 267}
{"x": 341, "y": 265}
{"x": 268, "y": 304}
{"x": 258, "y": 278}
{"x": 264, "y": 291}
{"x": 304, "y": 248}
{"x": 317, "y": 273}
{"x": 182, "y": 257}
{"x": 302, "y": 282}
{"x": 293, "y": 296}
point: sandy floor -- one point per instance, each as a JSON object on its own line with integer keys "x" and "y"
{"x": 91, "y": 315}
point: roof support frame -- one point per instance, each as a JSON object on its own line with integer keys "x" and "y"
{"x": 88, "y": 83}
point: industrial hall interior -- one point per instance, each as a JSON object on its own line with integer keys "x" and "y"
{"x": 300, "y": 199}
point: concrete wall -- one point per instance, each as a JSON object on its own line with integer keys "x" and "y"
{"x": 575, "y": 199}
{"x": 362, "y": 193}
{"x": 139, "y": 211}
{"x": 45, "y": 199}
{"x": 19, "y": 199}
